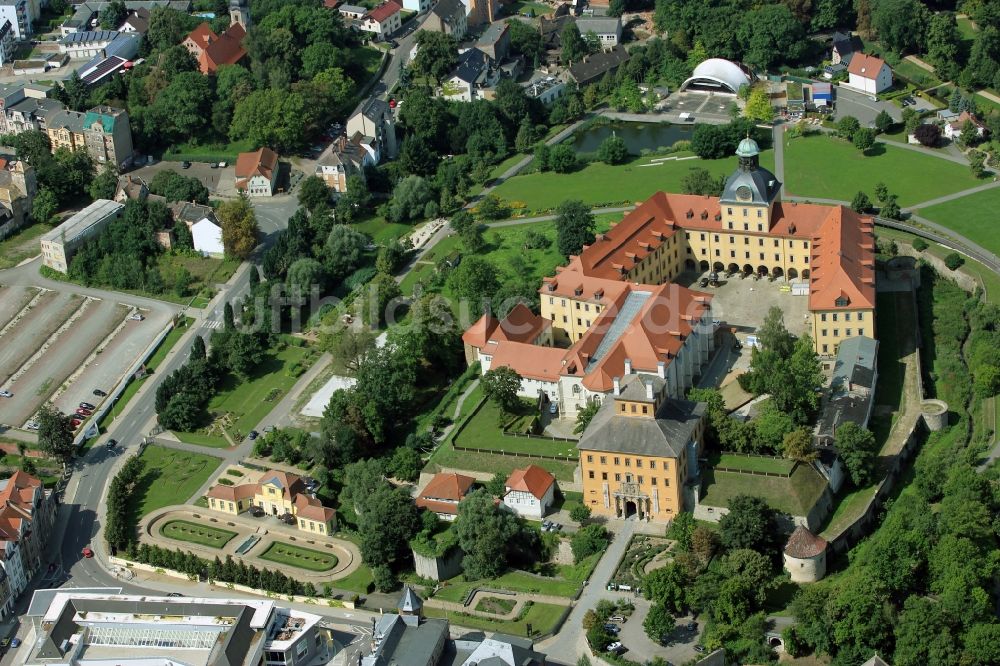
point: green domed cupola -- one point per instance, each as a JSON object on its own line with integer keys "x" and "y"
{"x": 748, "y": 152}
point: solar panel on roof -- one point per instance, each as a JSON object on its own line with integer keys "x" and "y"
{"x": 100, "y": 71}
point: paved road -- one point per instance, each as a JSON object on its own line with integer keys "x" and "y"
{"x": 862, "y": 106}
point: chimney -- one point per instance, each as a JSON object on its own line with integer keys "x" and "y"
{"x": 649, "y": 391}
{"x": 628, "y": 366}
{"x": 661, "y": 369}
{"x": 618, "y": 386}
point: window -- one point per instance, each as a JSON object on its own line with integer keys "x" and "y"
{"x": 760, "y": 213}
{"x": 732, "y": 239}
{"x": 564, "y": 302}
{"x": 732, "y": 254}
{"x": 823, "y": 332}
{"x": 824, "y": 349}
{"x": 666, "y": 482}
{"x": 645, "y": 409}
{"x": 730, "y": 225}
{"x": 579, "y": 322}
{"x": 717, "y": 253}
{"x": 729, "y": 211}
{"x": 836, "y": 332}
{"x": 775, "y": 242}
{"x": 617, "y": 461}
{"x": 835, "y": 316}
{"x": 745, "y": 212}
{"x": 746, "y": 227}
{"x": 653, "y": 480}
{"x": 777, "y": 257}
{"x": 633, "y": 408}
{"x": 822, "y": 317}
{"x": 861, "y": 316}
{"x": 590, "y": 458}
{"x": 628, "y": 462}
{"x": 638, "y": 462}
{"x": 666, "y": 465}
{"x": 618, "y": 477}
{"x": 552, "y": 301}
{"x": 847, "y": 332}
{"x": 604, "y": 460}
{"x": 586, "y": 307}
{"x": 760, "y": 227}
{"x": 702, "y": 236}
{"x": 746, "y": 240}
{"x": 565, "y": 319}
{"x": 640, "y": 480}
{"x": 590, "y": 474}
{"x": 760, "y": 242}
{"x": 747, "y": 254}
{"x": 577, "y": 304}
{"x": 604, "y": 476}
{"x": 716, "y": 238}
{"x": 805, "y": 244}
{"x": 847, "y": 316}
{"x": 652, "y": 464}
{"x": 841, "y": 302}
{"x": 762, "y": 256}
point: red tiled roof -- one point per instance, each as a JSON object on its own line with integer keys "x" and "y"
{"x": 290, "y": 484}
{"x": 331, "y": 4}
{"x": 234, "y": 493}
{"x": 202, "y": 36}
{"x": 384, "y": 11}
{"x": 311, "y": 508}
{"x": 447, "y": 486}
{"x": 532, "y": 479}
{"x": 261, "y": 162}
{"x": 520, "y": 325}
{"x": 804, "y": 544}
{"x": 843, "y": 262}
{"x": 226, "y": 49}
{"x": 864, "y": 65}
{"x": 531, "y": 361}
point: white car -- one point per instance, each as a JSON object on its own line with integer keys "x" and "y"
{"x": 6, "y": 394}
{"x": 31, "y": 425}
{"x": 614, "y": 646}
{"x": 136, "y": 317}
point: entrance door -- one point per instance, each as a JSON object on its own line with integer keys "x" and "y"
{"x": 274, "y": 510}
{"x": 630, "y": 509}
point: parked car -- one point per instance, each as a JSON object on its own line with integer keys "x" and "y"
{"x": 553, "y": 407}
{"x": 84, "y": 412}
{"x": 703, "y": 282}
{"x": 256, "y": 511}
{"x": 75, "y": 422}
{"x": 86, "y": 405}
{"x": 15, "y": 642}
{"x": 100, "y": 394}
{"x": 288, "y": 519}
{"x": 175, "y": 594}
{"x": 135, "y": 316}
{"x": 691, "y": 626}
{"x": 87, "y": 552}
{"x": 31, "y": 425}
{"x": 699, "y": 648}
{"x": 612, "y": 628}
{"x": 111, "y": 443}
{"x": 185, "y": 164}
{"x": 253, "y": 435}
{"x": 268, "y": 429}
{"x": 6, "y": 394}
{"x": 617, "y": 618}
{"x": 223, "y": 165}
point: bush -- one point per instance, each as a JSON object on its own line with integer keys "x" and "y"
{"x": 580, "y": 513}
{"x": 919, "y": 244}
{"x": 588, "y": 541}
{"x": 954, "y": 260}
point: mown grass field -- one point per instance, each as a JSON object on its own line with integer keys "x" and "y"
{"x": 170, "y": 477}
{"x": 973, "y": 216}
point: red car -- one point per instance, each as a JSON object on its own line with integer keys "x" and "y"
{"x": 87, "y": 552}
{"x": 75, "y": 423}
{"x": 84, "y": 412}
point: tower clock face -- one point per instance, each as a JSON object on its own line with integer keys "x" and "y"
{"x": 743, "y": 193}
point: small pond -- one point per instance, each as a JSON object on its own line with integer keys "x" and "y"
{"x": 637, "y": 136}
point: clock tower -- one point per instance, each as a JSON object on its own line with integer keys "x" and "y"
{"x": 749, "y": 192}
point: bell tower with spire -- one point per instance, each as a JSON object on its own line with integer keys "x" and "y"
{"x": 747, "y": 199}
{"x": 239, "y": 12}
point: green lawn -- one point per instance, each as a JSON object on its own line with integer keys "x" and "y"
{"x": 916, "y": 74}
{"x": 601, "y": 184}
{"x": 171, "y": 477}
{"x": 206, "y": 272}
{"x": 250, "y": 401}
{"x": 567, "y": 580}
{"x": 973, "y": 216}
{"x": 447, "y": 456}
{"x": 359, "y": 582}
{"x": 215, "y": 152}
{"x": 848, "y": 507}
{"x": 966, "y": 29}
{"x": 22, "y": 245}
{"x": 204, "y": 535}
{"x": 541, "y": 617}
{"x": 296, "y": 556}
{"x": 825, "y": 167}
{"x": 526, "y": 6}
{"x": 481, "y": 431}
{"x": 381, "y": 231}
{"x": 754, "y": 464}
{"x": 794, "y": 495}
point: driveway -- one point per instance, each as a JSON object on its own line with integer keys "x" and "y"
{"x": 680, "y": 645}
{"x": 861, "y": 106}
{"x": 203, "y": 171}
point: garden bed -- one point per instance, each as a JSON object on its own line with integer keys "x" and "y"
{"x": 296, "y": 556}
{"x": 183, "y": 530}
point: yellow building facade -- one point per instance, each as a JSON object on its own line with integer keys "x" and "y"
{"x": 276, "y": 494}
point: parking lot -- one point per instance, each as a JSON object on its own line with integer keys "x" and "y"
{"x": 216, "y": 180}
{"x": 863, "y": 107}
{"x": 703, "y": 103}
{"x": 59, "y": 346}
{"x": 677, "y": 649}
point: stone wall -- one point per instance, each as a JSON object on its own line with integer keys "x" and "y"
{"x": 439, "y": 568}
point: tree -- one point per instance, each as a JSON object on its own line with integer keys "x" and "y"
{"x": 239, "y": 227}
{"x": 476, "y": 281}
{"x": 900, "y": 24}
{"x": 228, "y": 318}
{"x": 883, "y": 122}
{"x": 769, "y": 34}
{"x": 387, "y": 522}
{"x": 750, "y": 523}
{"x": 272, "y": 117}
{"x": 343, "y": 250}
{"x": 409, "y": 199}
{"x": 881, "y": 192}
{"x": 485, "y": 532}
{"x": 613, "y": 150}
{"x": 313, "y": 192}
{"x": 617, "y": 7}
{"x": 575, "y": 226}
{"x": 890, "y": 209}
{"x": 437, "y": 55}
{"x": 45, "y": 205}
{"x": 105, "y": 184}
{"x": 501, "y": 386}
{"x": 113, "y": 14}
{"x": 55, "y": 434}
{"x": 183, "y": 108}
{"x": 847, "y": 126}
{"x": 574, "y": 48}
{"x": 658, "y": 623}
{"x": 919, "y": 244}
{"x": 198, "y": 352}
{"x": 856, "y": 449}
{"x": 864, "y": 139}
{"x": 758, "y": 108}
{"x": 580, "y": 513}
{"x": 303, "y": 275}
{"x": 927, "y": 134}
{"x": 861, "y": 203}
{"x": 585, "y": 416}
{"x": 562, "y": 158}
{"x": 954, "y": 261}
{"x": 492, "y": 207}
{"x": 175, "y": 187}
{"x": 797, "y": 445}
{"x": 944, "y": 45}
{"x": 380, "y": 294}
{"x": 589, "y": 540}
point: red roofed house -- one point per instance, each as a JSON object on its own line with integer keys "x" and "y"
{"x": 383, "y": 20}
{"x": 212, "y": 50}
{"x": 530, "y": 492}
{"x": 257, "y": 172}
{"x": 443, "y": 493}
{"x": 953, "y": 129}
{"x": 614, "y": 310}
{"x": 276, "y": 493}
{"x": 868, "y": 74}
{"x": 27, "y": 512}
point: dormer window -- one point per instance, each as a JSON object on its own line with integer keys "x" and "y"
{"x": 704, "y": 214}
{"x": 578, "y": 291}
{"x": 689, "y": 214}
{"x": 842, "y": 302}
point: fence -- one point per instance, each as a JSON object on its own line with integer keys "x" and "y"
{"x": 503, "y": 452}
{"x": 516, "y": 454}
{"x": 751, "y": 456}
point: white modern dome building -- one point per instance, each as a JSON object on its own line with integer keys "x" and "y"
{"x": 717, "y": 75}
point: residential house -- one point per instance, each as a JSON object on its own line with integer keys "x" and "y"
{"x": 483, "y": 12}
{"x": 104, "y": 132}
{"x": 551, "y": 30}
{"x": 27, "y": 512}
{"x": 821, "y": 94}
{"x": 86, "y": 14}
{"x": 331, "y": 4}
{"x": 868, "y": 74}
{"x": 277, "y": 494}
{"x": 608, "y": 29}
{"x": 383, "y": 21}
{"x": 344, "y": 158}
{"x": 8, "y": 42}
{"x": 257, "y": 172}
{"x": 545, "y": 88}
{"x": 639, "y": 451}
{"x": 111, "y": 59}
{"x": 18, "y": 13}
{"x": 833, "y": 71}
{"x": 449, "y": 17}
{"x": 25, "y": 107}
{"x": 443, "y": 494}
{"x": 206, "y": 237}
{"x": 136, "y": 22}
{"x": 953, "y": 128}
{"x": 502, "y": 650}
{"x": 374, "y": 118}
{"x": 86, "y": 44}
{"x": 495, "y": 42}
{"x": 212, "y": 50}
{"x": 521, "y": 325}
{"x": 594, "y": 66}
{"x": 58, "y": 245}
{"x": 17, "y": 194}
{"x": 473, "y": 77}
{"x": 845, "y": 45}
{"x": 352, "y": 12}
{"x": 530, "y": 492}
{"x": 419, "y": 6}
